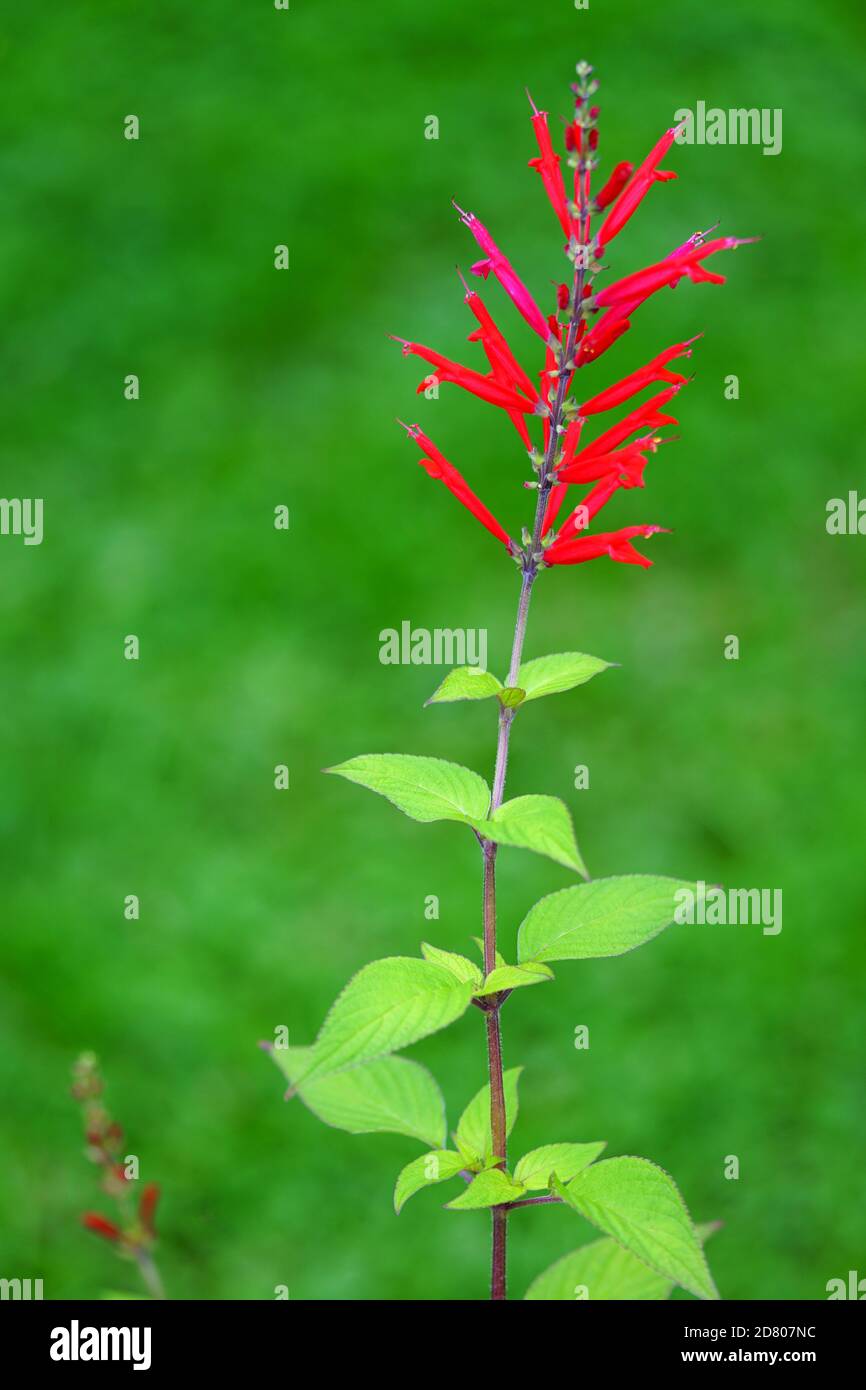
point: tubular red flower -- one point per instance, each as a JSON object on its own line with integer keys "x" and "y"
{"x": 437, "y": 466}
{"x": 614, "y": 186}
{"x": 496, "y": 346}
{"x": 642, "y": 283}
{"x": 615, "y": 544}
{"x": 603, "y": 335}
{"x": 588, "y": 468}
{"x": 633, "y": 195}
{"x": 505, "y": 367}
{"x": 656, "y": 370}
{"x": 598, "y": 496}
{"x": 646, "y": 416}
{"x": 483, "y": 386}
{"x": 100, "y": 1227}
{"x": 628, "y": 203}
{"x": 547, "y": 165}
{"x": 505, "y": 274}
{"x": 147, "y": 1208}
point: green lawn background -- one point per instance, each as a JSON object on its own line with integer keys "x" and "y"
{"x": 258, "y": 647}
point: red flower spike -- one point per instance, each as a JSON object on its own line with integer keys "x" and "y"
{"x": 656, "y": 370}
{"x": 437, "y": 466}
{"x": 504, "y": 272}
{"x": 547, "y": 165}
{"x": 615, "y": 459}
{"x": 147, "y": 1208}
{"x": 615, "y": 544}
{"x": 100, "y": 1227}
{"x": 614, "y": 186}
{"x": 478, "y": 385}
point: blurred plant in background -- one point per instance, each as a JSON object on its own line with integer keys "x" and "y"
{"x": 133, "y": 1234}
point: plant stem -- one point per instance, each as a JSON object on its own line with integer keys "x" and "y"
{"x": 532, "y": 559}
{"x": 150, "y": 1274}
{"x": 531, "y": 563}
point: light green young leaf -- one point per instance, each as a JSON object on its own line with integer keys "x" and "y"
{"x": 473, "y": 1128}
{"x": 539, "y": 823}
{"x": 565, "y": 1160}
{"x": 488, "y": 1189}
{"x": 388, "y": 1096}
{"x": 461, "y": 967}
{"x": 600, "y": 1271}
{"x": 606, "y": 917}
{"x": 513, "y": 977}
{"x": 465, "y": 683}
{"x": 640, "y": 1205}
{"x": 426, "y": 789}
{"x": 479, "y": 942}
{"x": 385, "y": 1007}
{"x": 424, "y": 1172}
{"x": 548, "y": 675}
{"x": 512, "y": 696}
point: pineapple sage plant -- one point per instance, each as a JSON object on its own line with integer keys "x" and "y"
{"x": 351, "y": 1076}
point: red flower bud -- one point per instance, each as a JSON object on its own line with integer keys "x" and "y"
{"x": 147, "y": 1208}
{"x": 614, "y": 186}
{"x": 547, "y": 165}
{"x": 100, "y": 1227}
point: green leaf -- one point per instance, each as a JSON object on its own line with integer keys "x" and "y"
{"x": 473, "y": 1128}
{"x": 426, "y": 789}
{"x": 424, "y": 1172}
{"x": 479, "y": 942}
{"x": 603, "y": 1270}
{"x": 548, "y": 675}
{"x": 606, "y": 917}
{"x": 513, "y": 977}
{"x": 461, "y": 967}
{"x": 511, "y": 696}
{"x": 600, "y": 1271}
{"x": 539, "y": 823}
{"x": 565, "y": 1160}
{"x": 386, "y": 1006}
{"x": 640, "y": 1205}
{"x": 488, "y": 1189}
{"x": 465, "y": 683}
{"x": 388, "y": 1096}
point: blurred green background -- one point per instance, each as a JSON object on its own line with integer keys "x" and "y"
{"x": 260, "y": 647}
